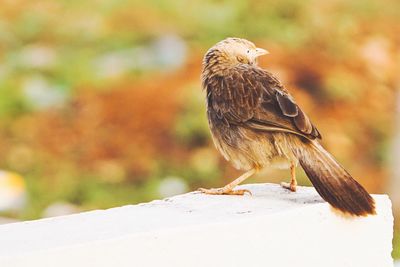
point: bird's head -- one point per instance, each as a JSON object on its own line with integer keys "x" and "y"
{"x": 234, "y": 51}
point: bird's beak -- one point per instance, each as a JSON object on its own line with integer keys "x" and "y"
{"x": 260, "y": 52}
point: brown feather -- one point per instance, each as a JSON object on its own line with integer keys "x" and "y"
{"x": 235, "y": 95}
{"x": 303, "y": 123}
{"x": 288, "y": 107}
{"x": 333, "y": 182}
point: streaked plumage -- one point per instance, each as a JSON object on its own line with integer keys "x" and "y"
{"x": 255, "y": 123}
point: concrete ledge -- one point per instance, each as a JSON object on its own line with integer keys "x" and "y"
{"x": 274, "y": 227}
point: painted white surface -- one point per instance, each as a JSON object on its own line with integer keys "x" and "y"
{"x": 273, "y": 227}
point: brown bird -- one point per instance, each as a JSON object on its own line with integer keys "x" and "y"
{"x": 255, "y": 123}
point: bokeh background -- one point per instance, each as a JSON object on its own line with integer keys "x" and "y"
{"x": 101, "y": 105}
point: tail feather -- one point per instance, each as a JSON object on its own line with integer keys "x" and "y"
{"x": 333, "y": 182}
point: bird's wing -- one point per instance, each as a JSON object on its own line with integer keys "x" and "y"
{"x": 254, "y": 98}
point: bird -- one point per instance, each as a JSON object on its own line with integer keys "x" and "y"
{"x": 255, "y": 123}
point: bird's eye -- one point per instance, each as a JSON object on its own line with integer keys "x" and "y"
{"x": 248, "y": 51}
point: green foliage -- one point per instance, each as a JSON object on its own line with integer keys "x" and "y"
{"x": 11, "y": 102}
{"x": 191, "y": 125}
{"x": 396, "y": 245}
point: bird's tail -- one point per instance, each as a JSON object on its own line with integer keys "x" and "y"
{"x": 333, "y": 182}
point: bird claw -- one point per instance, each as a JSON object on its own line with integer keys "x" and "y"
{"x": 224, "y": 191}
{"x": 243, "y": 192}
{"x": 289, "y": 186}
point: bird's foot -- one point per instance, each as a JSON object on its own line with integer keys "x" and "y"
{"x": 289, "y": 186}
{"x": 224, "y": 191}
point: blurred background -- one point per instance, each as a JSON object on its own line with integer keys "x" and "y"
{"x": 101, "y": 105}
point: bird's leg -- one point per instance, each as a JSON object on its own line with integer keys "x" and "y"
{"x": 293, "y": 183}
{"x": 228, "y": 189}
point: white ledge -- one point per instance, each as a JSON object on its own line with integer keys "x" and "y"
{"x": 273, "y": 227}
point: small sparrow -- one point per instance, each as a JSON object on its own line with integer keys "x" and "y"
{"x": 256, "y": 123}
